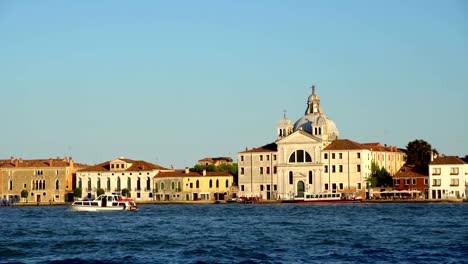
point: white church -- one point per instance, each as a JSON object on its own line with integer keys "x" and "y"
{"x": 308, "y": 157}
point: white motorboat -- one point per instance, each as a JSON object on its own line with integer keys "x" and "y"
{"x": 105, "y": 202}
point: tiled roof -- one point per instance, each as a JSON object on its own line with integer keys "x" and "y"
{"x": 412, "y": 171}
{"x": 137, "y": 165}
{"x": 344, "y": 144}
{"x": 379, "y": 147}
{"x": 442, "y": 160}
{"x": 35, "y": 163}
{"x": 266, "y": 148}
{"x": 181, "y": 173}
{"x": 228, "y": 159}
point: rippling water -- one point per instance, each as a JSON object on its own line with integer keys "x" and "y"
{"x": 233, "y": 233}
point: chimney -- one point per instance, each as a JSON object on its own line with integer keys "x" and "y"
{"x": 187, "y": 170}
{"x": 16, "y": 162}
{"x": 12, "y": 160}
{"x": 204, "y": 172}
{"x": 50, "y": 162}
{"x": 246, "y": 148}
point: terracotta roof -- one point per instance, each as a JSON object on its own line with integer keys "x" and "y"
{"x": 181, "y": 173}
{"x": 413, "y": 171}
{"x": 266, "y": 148}
{"x": 379, "y": 147}
{"x": 137, "y": 165}
{"x": 35, "y": 163}
{"x": 344, "y": 144}
{"x": 442, "y": 160}
{"x": 216, "y": 159}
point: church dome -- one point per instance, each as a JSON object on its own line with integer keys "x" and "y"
{"x": 314, "y": 118}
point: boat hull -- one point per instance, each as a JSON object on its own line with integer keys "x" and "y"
{"x": 328, "y": 201}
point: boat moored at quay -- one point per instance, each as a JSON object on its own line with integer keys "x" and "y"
{"x": 328, "y": 198}
{"x": 105, "y": 203}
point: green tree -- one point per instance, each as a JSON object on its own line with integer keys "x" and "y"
{"x": 126, "y": 192}
{"x": 77, "y": 192}
{"x": 379, "y": 177}
{"x": 24, "y": 194}
{"x": 100, "y": 192}
{"x": 419, "y": 152}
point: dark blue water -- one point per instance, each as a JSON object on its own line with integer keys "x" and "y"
{"x": 277, "y": 233}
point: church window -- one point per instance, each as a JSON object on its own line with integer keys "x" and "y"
{"x": 291, "y": 177}
{"x": 211, "y": 183}
{"x": 320, "y": 131}
{"x": 10, "y": 185}
{"x": 315, "y": 131}
{"x": 300, "y": 156}
{"x": 197, "y": 184}
{"x": 310, "y": 177}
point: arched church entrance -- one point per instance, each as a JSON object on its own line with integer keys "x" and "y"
{"x": 300, "y": 189}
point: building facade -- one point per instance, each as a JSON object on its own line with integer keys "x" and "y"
{"x": 448, "y": 178}
{"x": 215, "y": 161}
{"x": 45, "y": 180}
{"x": 413, "y": 180}
{"x": 118, "y": 174}
{"x": 308, "y": 157}
{"x": 184, "y": 185}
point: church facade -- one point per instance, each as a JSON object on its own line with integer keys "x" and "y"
{"x": 308, "y": 157}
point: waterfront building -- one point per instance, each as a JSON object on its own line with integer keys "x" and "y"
{"x": 308, "y": 157}
{"x": 118, "y": 174}
{"x": 215, "y": 161}
{"x": 186, "y": 185}
{"x": 448, "y": 178}
{"x": 45, "y": 180}
{"x": 412, "y": 180}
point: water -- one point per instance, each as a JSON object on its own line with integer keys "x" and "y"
{"x": 234, "y": 233}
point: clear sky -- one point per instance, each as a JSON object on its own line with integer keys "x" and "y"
{"x": 172, "y": 82}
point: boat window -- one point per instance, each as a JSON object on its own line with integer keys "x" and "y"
{"x": 109, "y": 198}
{"x": 115, "y": 204}
{"x": 94, "y": 203}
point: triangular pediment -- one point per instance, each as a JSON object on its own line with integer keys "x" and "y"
{"x": 299, "y": 137}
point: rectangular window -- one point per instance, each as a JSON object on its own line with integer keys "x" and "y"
{"x": 414, "y": 181}
{"x": 325, "y": 156}
{"x": 341, "y": 186}
{"x": 454, "y": 182}
{"x": 267, "y": 170}
{"x": 333, "y": 155}
{"x": 341, "y": 168}
{"x": 191, "y": 185}
{"x": 436, "y": 182}
{"x": 275, "y": 187}
{"x": 358, "y": 168}
{"x": 333, "y": 168}
{"x": 242, "y": 188}
{"x": 397, "y": 181}
{"x": 453, "y": 171}
{"x": 274, "y": 157}
{"x": 426, "y": 181}
{"x": 341, "y": 155}
{"x": 261, "y": 157}
{"x": 242, "y": 170}
{"x": 435, "y": 171}
{"x": 359, "y": 186}
{"x": 359, "y": 155}
{"x": 242, "y": 158}
{"x": 116, "y": 166}
{"x": 407, "y": 181}
{"x": 326, "y": 186}
{"x": 326, "y": 168}
{"x": 261, "y": 170}
{"x": 274, "y": 170}
{"x": 112, "y": 166}
{"x": 268, "y": 157}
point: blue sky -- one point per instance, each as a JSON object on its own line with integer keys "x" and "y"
{"x": 172, "y": 82}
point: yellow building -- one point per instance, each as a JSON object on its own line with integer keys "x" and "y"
{"x": 184, "y": 185}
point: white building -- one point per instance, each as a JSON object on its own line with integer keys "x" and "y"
{"x": 308, "y": 157}
{"x": 116, "y": 175}
{"x": 448, "y": 178}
